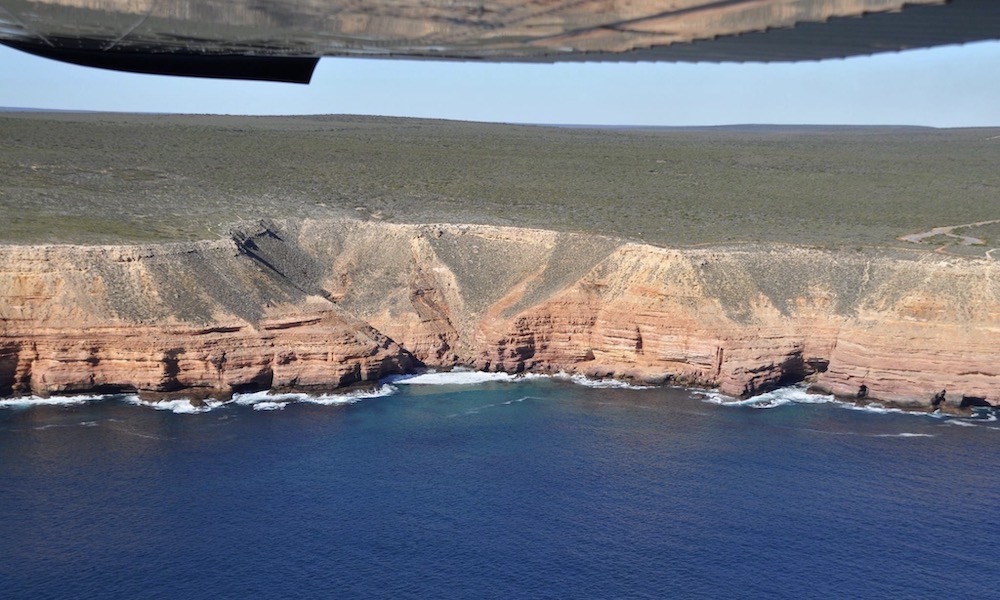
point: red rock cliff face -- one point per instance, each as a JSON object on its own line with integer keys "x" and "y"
{"x": 201, "y": 317}
{"x": 327, "y": 303}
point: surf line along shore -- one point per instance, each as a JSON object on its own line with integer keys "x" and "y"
{"x": 320, "y": 304}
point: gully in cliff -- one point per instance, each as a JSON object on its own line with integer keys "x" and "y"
{"x": 319, "y": 304}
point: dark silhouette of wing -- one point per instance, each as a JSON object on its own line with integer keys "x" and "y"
{"x": 281, "y": 40}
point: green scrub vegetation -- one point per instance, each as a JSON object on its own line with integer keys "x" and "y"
{"x": 103, "y": 178}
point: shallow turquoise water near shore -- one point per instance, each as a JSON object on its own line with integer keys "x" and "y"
{"x": 526, "y": 489}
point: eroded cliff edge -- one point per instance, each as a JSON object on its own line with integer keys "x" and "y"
{"x": 323, "y": 303}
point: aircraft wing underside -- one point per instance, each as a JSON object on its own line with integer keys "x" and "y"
{"x": 281, "y": 40}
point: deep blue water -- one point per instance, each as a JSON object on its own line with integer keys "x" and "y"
{"x": 538, "y": 489}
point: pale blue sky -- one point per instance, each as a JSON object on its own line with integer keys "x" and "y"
{"x": 944, "y": 87}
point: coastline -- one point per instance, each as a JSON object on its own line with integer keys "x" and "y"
{"x": 206, "y": 255}
{"x": 200, "y": 401}
{"x": 322, "y": 304}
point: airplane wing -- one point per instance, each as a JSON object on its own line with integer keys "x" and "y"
{"x": 281, "y": 40}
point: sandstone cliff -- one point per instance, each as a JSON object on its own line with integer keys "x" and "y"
{"x": 330, "y": 303}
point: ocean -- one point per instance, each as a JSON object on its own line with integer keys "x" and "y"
{"x": 465, "y": 485}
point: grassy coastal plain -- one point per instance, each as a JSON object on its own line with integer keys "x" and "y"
{"x": 110, "y": 178}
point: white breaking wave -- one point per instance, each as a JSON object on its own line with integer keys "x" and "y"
{"x": 874, "y": 407}
{"x": 259, "y": 400}
{"x": 29, "y": 401}
{"x": 772, "y": 399}
{"x": 601, "y": 383}
{"x": 265, "y": 397}
{"x": 464, "y": 377}
{"x": 268, "y": 401}
{"x": 470, "y": 377}
{"x": 351, "y": 397}
{"x": 180, "y": 406}
{"x": 879, "y": 409}
{"x": 266, "y": 405}
{"x": 799, "y": 395}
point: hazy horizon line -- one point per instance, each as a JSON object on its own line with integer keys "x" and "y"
{"x": 735, "y": 125}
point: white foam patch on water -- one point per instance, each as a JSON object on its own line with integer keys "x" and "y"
{"x": 470, "y": 377}
{"x": 464, "y": 377}
{"x": 879, "y": 409}
{"x": 265, "y": 405}
{"x": 181, "y": 406}
{"x": 799, "y": 395}
{"x": 268, "y": 401}
{"x": 521, "y": 399}
{"x": 772, "y": 399}
{"x": 252, "y": 398}
{"x": 29, "y": 401}
{"x": 258, "y": 400}
{"x": 601, "y": 383}
{"x": 905, "y": 435}
{"x": 351, "y": 397}
{"x": 874, "y": 407}
{"x": 63, "y": 425}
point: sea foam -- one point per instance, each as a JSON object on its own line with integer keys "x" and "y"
{"x": 464, "y": 377}
{"x": 601, "y": 383}
{"x": 351, "y": 397}
{"x": 268, "y": 401}
{"x": 798, "y": 395}
{"x": 773, "y": 399}
{"x": 180, "y": 406}
{"x": 879, "y": 409}
{"x": 470, "y": 377}
{"x": 268, "y": 405}
{"x": 30, "y": 401}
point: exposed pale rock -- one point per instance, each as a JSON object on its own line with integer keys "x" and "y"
{"x": 329, "y": 303}
{"x": 108, "y": 318}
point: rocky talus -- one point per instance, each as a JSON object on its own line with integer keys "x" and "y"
{"x": 330, "y": 303}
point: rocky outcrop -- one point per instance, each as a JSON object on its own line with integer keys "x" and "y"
{"x": 204, "y": 318}
{"x": 328, "y": 303}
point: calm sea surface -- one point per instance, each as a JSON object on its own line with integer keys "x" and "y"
{"x": 530, "y": 489}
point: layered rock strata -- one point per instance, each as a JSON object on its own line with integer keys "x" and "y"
{"x": 202, "y": 318}
{"x": 330, "y": 303}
